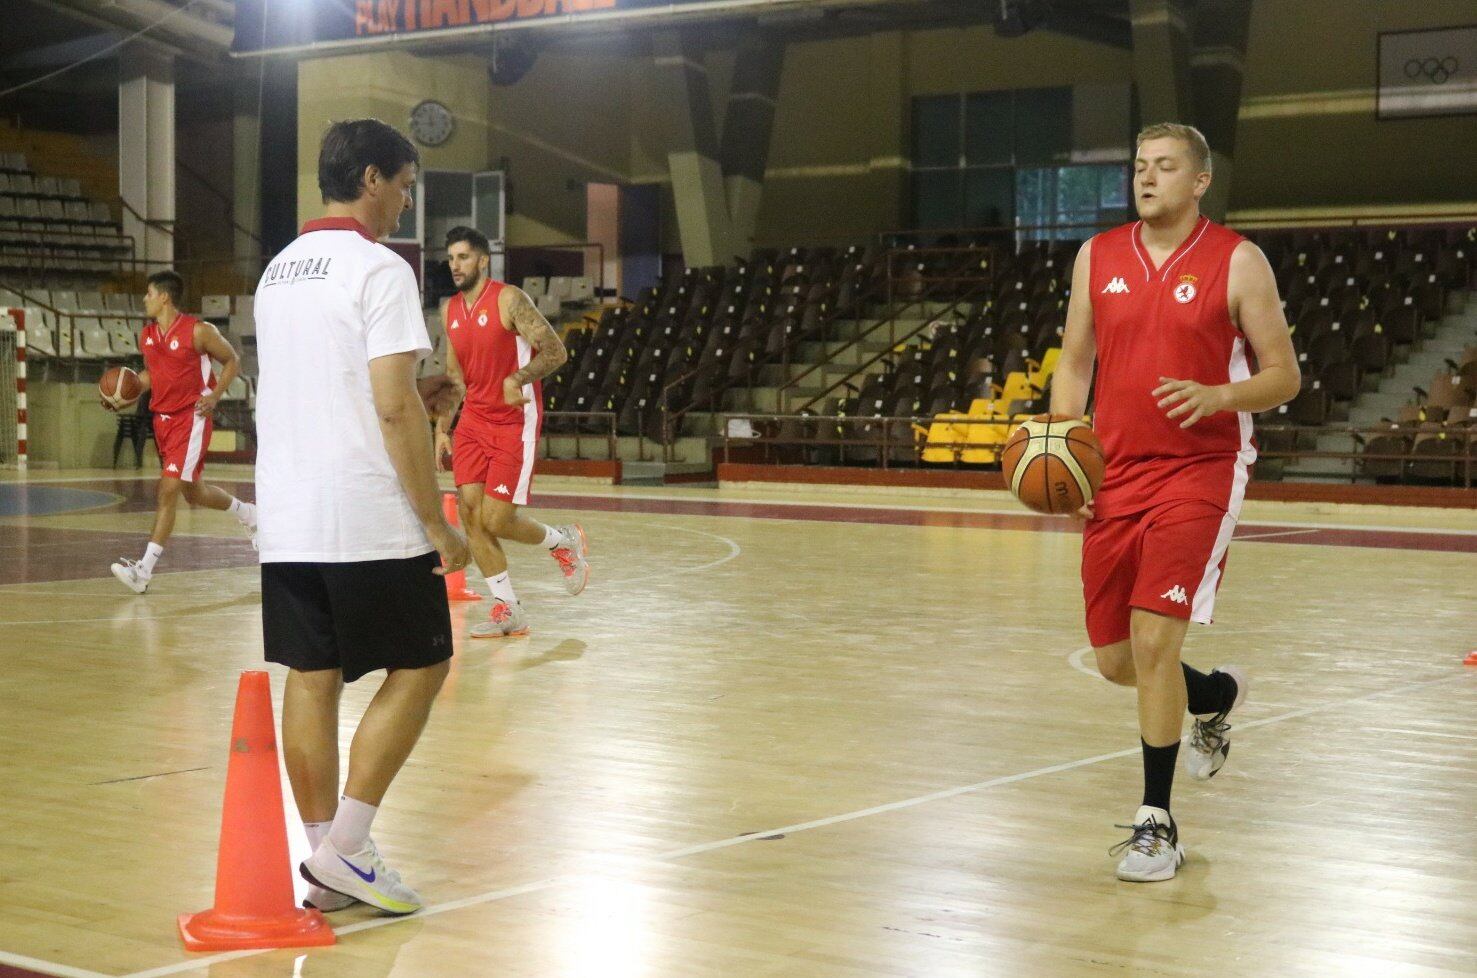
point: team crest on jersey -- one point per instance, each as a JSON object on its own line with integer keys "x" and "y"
{"x": 482, "y": 319}
{"x": 174, "y": 344}
{"x": 1185, "y": 291}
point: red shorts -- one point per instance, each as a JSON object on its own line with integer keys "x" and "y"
{"x": 1169, "y": 560}
{"x": 182, "y": 439}
{"x": 498, "y": 458}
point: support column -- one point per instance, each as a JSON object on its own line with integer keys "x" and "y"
{"x": 1217, "y": 70}
{"x": 888, "y": 116}
{"x": 1161, "y": 61}
{"x": 692, "y": 152}
{"x": 146, "y": 150}
{"x": 747, "y": 127}
{"x": 246, "y": 176}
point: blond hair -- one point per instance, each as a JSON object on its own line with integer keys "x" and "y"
{"x": 1189, "y": 135}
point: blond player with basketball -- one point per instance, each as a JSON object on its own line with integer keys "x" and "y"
{"x": 1172, "y": 309}
{"x": 499, "y": 350}
{"x": 178, "y": 349}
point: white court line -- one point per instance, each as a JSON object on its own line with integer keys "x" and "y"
{"x": 1264, "y": 536}
{"x": 1420, "y": 733}
{"x": 48, "y": 967}
{"x": 1078, "y": 660}
{"x": 674, "y": 854}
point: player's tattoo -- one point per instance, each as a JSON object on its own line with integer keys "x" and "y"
{"x": 549, "y": 353}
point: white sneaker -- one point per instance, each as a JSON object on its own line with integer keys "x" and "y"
{"x": 1153, "y": 852}
{"x": 362, "y": 875}
{"x": 503, "y": 621}
{"x": 326, "y": 901}
{"x": 1209, "y": 744}
{"x": 133, "y": 576}
{"x": 570, "y": 554}
{"x": 248, "y": 520}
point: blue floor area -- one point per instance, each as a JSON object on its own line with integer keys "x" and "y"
{"x": 23, "y": 500}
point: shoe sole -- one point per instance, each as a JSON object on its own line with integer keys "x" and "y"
{"x": 1243, "y": 684}
{"x": 520, "y": 633}
{"x": 1162, "y": 875}
{"x": 370, "y": 896}
{"x": 348, "y": 902}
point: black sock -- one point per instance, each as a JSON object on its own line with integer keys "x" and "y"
{"x": 1210, "y": 693}
{"x": 1159, "y": 773}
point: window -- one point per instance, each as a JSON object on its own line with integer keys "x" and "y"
{"x": 995, "y": 159}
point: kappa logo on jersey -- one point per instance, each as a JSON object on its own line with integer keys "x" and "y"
{"x": 149, "y": 341}
{"x": 456, "y": 324}
{"x": 482, "y": 319}
{"x": 502, "y": 488}
{"x": 1185, "y": 291}
{"x": 1117, "y": 286}
{"x": 1177, "y": 595}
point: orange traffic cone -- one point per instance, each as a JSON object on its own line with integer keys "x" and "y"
{"x": 456, "y": 581}
{"x": 1471, "y": 659}
{"x": 253, "y": 874}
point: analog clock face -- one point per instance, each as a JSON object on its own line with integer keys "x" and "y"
{"x": 431, "y": 123}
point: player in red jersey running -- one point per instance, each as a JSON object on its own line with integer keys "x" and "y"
{"x": 1172, "y": 308}
{"x": 499, "y": 348}
{"x": 177, "y": 351}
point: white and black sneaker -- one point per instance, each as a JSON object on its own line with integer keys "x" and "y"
{"x": 1153, "y": 853}
{"x": 362, "y": 875}
{"x": 132, "y": 575}
{"x": 1209, "y": 745}
{"x": 326, "y": 901}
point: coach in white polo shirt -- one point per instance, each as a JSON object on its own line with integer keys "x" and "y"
{"x": 349, "y": 510}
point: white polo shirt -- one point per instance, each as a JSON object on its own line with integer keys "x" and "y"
{"x": 326, "y": 491}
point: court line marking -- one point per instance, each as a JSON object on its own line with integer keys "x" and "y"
{"x": 1006, "y": 511}
{"x": 1420, "y": 733}
{"x": 48, "y": 967}
{"x": 1264, "y": 536}
{"x": 1078, "y": 660}
{"x": 674, "y": 854}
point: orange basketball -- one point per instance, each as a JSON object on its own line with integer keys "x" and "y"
{"x": 1053, "y": 463}
{"x": 120, "y": 386}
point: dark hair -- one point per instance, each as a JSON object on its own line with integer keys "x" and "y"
{"x": 170, "y": 283}
{"x": 471, "y": 236}
{"x": 349, "y": 147}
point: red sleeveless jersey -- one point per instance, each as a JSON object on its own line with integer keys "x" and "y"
{"x": 178, "y": 373}
{"x": 488, "y": 352}
{"x": 1173, "y": 321}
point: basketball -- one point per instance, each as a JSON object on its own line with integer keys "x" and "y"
{"x": 1053, "y": 463}
{"x": 120, "y": 386}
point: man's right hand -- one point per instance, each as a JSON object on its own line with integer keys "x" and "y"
{"x": 1084, "y": 514}
{"x": 451, "y": 544}
{"x": 443, "y": 451}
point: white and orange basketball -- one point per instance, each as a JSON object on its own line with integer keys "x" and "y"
{"x": 120, "y": 386}
{"x": 1053, "y": 463}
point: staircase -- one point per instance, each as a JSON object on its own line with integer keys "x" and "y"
{"x": 1454, "y": 333}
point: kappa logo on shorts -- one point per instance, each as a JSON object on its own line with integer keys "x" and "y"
{"x": 1117, "y": 286}
{"x": 502, "y": 488}
{"x": 172, "y": 468}
{"x": 1177, "y": 595}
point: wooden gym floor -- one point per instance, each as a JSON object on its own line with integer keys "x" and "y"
{"x": 799, "y": 732}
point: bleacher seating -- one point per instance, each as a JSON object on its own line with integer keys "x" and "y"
{"x": 47, "y": 227}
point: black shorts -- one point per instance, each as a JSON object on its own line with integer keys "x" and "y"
{"x": 358, "y": 617}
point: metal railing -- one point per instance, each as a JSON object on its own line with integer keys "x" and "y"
{"x": 852, "y": 440}
{"x": 609, "y": 436}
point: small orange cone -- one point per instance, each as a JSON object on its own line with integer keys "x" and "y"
{"x": 1471, "y": 659}
{"x": 456, "y": 581}
{"x": 253, "y": 874}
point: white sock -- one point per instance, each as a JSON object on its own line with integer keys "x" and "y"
{"x": 501, "y": 587}
{"x": 350, "y": 829}
{"x": 317, "y": 831}
{"x": 552, "y": 538}
{"x": 152, "y": 553}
